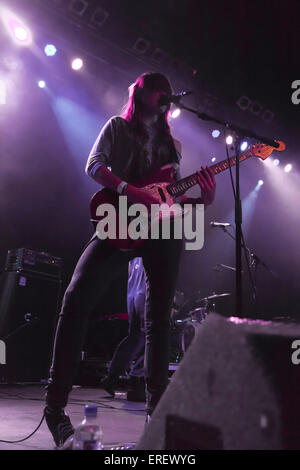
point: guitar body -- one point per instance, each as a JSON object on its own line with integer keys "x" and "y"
{"x": 155, "y": 184}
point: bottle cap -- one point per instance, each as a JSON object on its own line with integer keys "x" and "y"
{"x": 90, "y": 411}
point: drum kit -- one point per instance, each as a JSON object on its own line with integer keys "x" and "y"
{"x": 185, "y": 322}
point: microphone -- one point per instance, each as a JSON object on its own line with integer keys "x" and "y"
{"x": 167, "y": 99}
{"x": 30, "y": 319}
{"x": 219, "y": 224}
{"x": 220, "y": 267}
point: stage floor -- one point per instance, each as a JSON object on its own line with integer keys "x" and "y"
{"x": 21, "y": 408}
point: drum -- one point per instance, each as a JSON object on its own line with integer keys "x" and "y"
{"x": 194, "y": 320}
{"x": 176, "y": 332}
{"x": 199, "y": 314}
{"x": 177, "y": 303}
{"x": 188, "y": 334}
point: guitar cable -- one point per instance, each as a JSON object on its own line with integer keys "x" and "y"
{"x": 72, "y": 402}
{"x": 27, "y": 437}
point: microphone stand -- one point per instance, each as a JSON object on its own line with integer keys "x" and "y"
{"x": 254, "y": 262}
{"x": 238, "y": 231}
{"x": 240, "y": 134}
{"x": 250, "y": 258}
{"x": 29, "y": 322}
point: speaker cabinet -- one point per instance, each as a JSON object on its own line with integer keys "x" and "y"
{"x": 28, "y": 313}
{"x": 236, "y": 388}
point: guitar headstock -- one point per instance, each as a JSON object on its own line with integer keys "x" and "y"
{"x": 263, "y": 151}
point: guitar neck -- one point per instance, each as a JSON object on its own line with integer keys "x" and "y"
{"x": 180, "y": 187}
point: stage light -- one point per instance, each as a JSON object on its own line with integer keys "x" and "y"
{"x": 99, "y": 16}
{"x": 268, "y": 162}
{"x": 229, "y": 140}
{"x": 259, "y": 185}
{"x": 21, "y": 33}
{"x": 77, "y": 63}
{"x": 215, "y": 133}
{"x": 276, "y": 162}
{"x": 50, "y": 50}
{"x": 243, "y": 102}
{"x": 141, "y": 46}
{"x": 42, "y": 83}
{"x": 78, "y": 7}
{"x": 18, "y": 31}
{"x": 213, "y": 159}
{"x": 175, "y": 113}
{"x": 244, "y": 145}
{"x": 288, "y": 168}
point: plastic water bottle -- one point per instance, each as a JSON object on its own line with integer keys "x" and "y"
{"x": 88, "y": 435}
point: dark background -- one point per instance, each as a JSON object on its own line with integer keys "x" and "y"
{"x": 220, "y": 49}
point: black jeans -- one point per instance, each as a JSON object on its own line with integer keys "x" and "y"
{"x": 96, "y": 268}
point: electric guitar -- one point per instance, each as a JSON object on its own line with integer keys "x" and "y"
{"x": 162, "y": 185}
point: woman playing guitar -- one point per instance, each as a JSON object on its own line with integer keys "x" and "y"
{"x": 127, "y": 151}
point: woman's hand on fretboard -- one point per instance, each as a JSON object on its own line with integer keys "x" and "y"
{"x": 207, "y": 183}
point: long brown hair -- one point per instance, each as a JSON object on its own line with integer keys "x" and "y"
{"x": 165, "y": 151}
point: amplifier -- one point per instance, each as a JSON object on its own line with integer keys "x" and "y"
{"x": 28, "y": 314}
{"x": 34, "y": 261}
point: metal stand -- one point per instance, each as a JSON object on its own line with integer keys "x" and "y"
{"x": 238, "y": 233}
{"x": 254, "y": 261}
{"x": 240, "y": 134}
{"x": 29, "y": 323}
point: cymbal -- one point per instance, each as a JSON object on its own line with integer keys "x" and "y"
{"x": 213, "y": 297}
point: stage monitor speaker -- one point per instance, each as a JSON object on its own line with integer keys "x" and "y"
{"x": 28, "y": 314}
{"x": 237, "y": 387}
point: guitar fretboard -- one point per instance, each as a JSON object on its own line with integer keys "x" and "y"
{"x": 180, "y": 187}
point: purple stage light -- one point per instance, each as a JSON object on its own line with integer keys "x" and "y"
{"x": 244, "y": 145}
{"x": 229, "y": 140}
{"x": 259, "y": 185}
{"x": 213, "y": 159}
{"x": 276, "y": 162}
{"x": 175, "y": 113}
{"x": 42, "y": 83}
{"x": 215, "y": 133}
{"x": 18, "y": 31}
{"x": 77, "y": 63}
{"x": 21, "y": 33}
{"x": 288, "y": 167}
{"x": 50, "y": 50}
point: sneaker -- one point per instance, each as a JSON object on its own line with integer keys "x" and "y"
{"x": 60, "y": 426}
{"x": 108, "y": 385}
